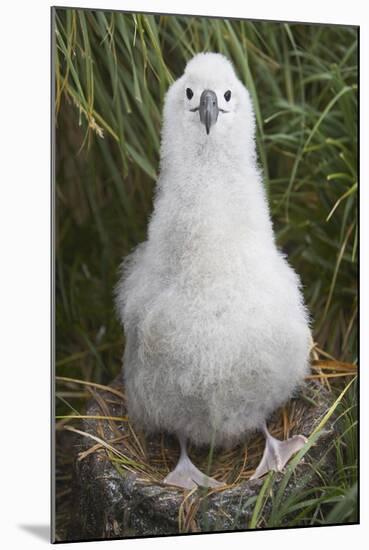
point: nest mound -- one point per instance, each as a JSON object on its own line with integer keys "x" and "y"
{"x": 119, "y": 472}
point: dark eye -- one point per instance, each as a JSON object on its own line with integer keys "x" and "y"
{"x": 227, "y": 95}
{"x": 189, "y": 93}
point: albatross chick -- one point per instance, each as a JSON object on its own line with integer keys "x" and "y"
{"x": 217, "y": 334}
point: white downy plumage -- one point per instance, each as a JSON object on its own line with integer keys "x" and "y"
{"x": 217, "y": 335}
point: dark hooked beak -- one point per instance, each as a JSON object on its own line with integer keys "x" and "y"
{"x": 208, "y": 109}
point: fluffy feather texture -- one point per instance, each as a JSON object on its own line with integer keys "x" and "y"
{"x": 217, "y": 335}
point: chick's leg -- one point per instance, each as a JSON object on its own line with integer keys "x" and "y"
{"x": 277, "y": 453}
{"x": 186, "y": 474}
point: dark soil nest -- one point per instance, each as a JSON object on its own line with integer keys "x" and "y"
{"x": 118, "y": 489}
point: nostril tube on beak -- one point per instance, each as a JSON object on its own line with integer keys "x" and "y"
{"x": 208, "y": 109}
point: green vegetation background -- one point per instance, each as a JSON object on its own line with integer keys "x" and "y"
{"x": 112, "y": 72}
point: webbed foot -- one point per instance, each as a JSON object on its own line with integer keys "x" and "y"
{"x": 277, "y": 453}
{"x": 187, "y": 475}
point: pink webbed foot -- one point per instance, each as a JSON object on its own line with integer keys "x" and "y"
{"x": 277, "y": 453}
{"x": 187, "y": 475}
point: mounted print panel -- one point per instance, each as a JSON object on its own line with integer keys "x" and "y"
{"x": 205, "y": 275}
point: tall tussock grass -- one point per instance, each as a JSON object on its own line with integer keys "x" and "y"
{"x": 112, "y": 71}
